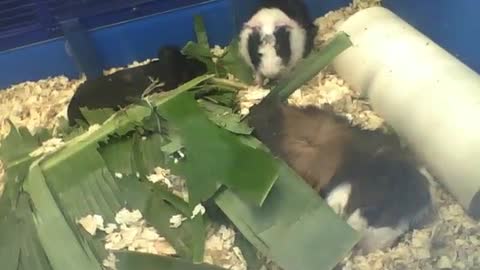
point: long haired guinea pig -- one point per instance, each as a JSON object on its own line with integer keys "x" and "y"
{"x": 118, "y": 89}
{"x": 276, "y": 37}
{"x": 364, "y": 176}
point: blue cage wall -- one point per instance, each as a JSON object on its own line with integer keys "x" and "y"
{"x": 41, "y": 38}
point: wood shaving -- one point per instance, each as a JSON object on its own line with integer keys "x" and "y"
{"x": 174, "y": 183}
{"x": 249, "y": 97}
{"x": 132, "y": 233}
{"x": 329, "y": 23}
{"x": 218, "y": 51}
{"x": 328, "y": 88}
{"x": 133, "y": 64}
{"x": 176, "y": 221}
{"x": 221, "y": 251}
{"x": 91, "y": 222}
{"x": 48, "y": 146}
{"x": 36, "y": 104}
{"x": 199, "y": 209}
{"x": 110, "y": 262}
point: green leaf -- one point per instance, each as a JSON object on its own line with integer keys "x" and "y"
{"x": 249, "y": 252}
{"x": 9, "y": 240}
{"x": 307, "y": 68}
{"x": 61, "y": 245}
{"x": 234, "y": 63}
{"x": 96, "y": 116}
{"x": 17, "y": 145}
{"x": 294, "y": 227}
{"x": 173, "y": 146}
{"x": 215, "y": 156}
{"x": 189, "y": 239}
{"x": 196, "y": 50}
{"x": 20, "y": 246}
{"x": 200, "y": 53}
{"x": 225, "y": 118}
{"x": 147, "y": 153}
{"x": 226, "y": 98}
{"x": 42, "y": 134}
{"x": 32, "y": 255}
{"x": 83, "y": 185}
{"x": 118, "y": 155}
{"x": 200, "y": 31}
{"x": 157, "y": 204}
{"x": 142, "y": 261}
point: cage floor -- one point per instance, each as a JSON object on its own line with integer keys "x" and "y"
{"x": 451, "y": 242}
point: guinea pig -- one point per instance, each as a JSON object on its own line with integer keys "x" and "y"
{"x": 364, "y": 176}
{"x": 276, "y": 37}
{"x": 117, "y": 90}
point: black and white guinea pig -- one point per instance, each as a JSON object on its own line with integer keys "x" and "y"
{"x": 276, "y": 37}
{"x": 118, "y": 89}
{"x": 365, "y": 176}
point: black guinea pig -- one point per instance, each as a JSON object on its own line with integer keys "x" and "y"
{"x": 276, "y": 37}
{"x": 118, "y": 89}
{"x": 364, "y": 176}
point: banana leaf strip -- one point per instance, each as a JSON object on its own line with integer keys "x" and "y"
{"x": 200, "y": 31}
{"x": 215, "y": 156}
{"x": 17, "y": 145}
{"x": 119, "y": 123}
{"x": 307, "y": 68}
{"x": 156, "y": 203}
{"x": 142, "y": 261}
{"x": 225, "y": 118}
{"x": 60, "y": 242}
{"x": 294, "y": 227}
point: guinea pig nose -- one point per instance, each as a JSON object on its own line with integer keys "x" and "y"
{"x": 268, "y": 39}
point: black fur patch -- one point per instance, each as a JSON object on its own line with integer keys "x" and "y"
{"x": 253, "y": 45}
{"x": 282, "y": 44}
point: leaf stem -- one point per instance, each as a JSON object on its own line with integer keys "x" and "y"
{"x": 310, "y": 67}
{"x": 229, "y": 83}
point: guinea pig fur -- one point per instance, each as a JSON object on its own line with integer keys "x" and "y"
{"x": 117, "y": 90}
{"x": 364, "y": 176}
{"x": 276, "y": 37}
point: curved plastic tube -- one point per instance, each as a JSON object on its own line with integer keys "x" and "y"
{"x": 427, "y": 95}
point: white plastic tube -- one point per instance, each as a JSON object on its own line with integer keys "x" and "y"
{"x": 427, "y": 95}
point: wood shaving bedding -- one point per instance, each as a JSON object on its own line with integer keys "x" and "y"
{"x": 35, "y": 105}
{"x": 131, "y": 232}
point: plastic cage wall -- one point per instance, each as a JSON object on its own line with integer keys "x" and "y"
{"x": 23, "y": 22}
{"x": 41, "y": 38}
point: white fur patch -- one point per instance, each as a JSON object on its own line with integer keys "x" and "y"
{"x": 374, "y": 239}
{"x": 266, "y": 21}
{"x": 338, "y": 198}
{"x": 271, "y": 63}
{"x": 357, "y": 221}
{"x": 382, "y": 238}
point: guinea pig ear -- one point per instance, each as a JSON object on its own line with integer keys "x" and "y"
{"x": 251, "y": 25}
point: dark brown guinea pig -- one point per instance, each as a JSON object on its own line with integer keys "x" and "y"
{"x": 117, "y": 90}
{"x": 365, "y": 176}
